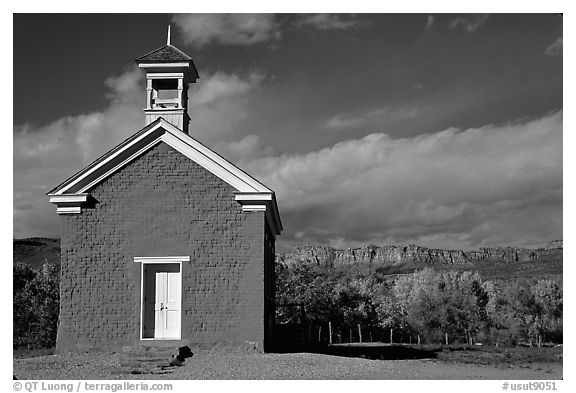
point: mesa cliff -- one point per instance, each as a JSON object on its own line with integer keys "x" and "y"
{"x": 414, "y": 255}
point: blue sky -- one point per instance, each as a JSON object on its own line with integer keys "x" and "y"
{"x": 442, "y": 130}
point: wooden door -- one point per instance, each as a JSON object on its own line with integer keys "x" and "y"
{"x": 162, "y": 301}
{"x": 167, "y": 305}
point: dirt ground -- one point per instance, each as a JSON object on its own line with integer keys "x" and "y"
{"x": 219, "y": 365}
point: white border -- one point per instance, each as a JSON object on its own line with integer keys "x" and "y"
{"x": 69, "y": 210}
{"x": 68, "y": 198}
{"x": 111, "y": 171}
{"x": 112, "y": 156}
{"x": 158, "y": 260}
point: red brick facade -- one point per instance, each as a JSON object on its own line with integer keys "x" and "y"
{"x": 164, "y": 204}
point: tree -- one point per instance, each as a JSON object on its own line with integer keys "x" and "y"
{"x": 36, "y": 306}
{"x": 437, "y": 303}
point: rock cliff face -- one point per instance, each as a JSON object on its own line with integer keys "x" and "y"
{"x": 411, "y": 254}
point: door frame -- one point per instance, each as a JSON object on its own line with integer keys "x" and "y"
{"x": 158, "y": 260}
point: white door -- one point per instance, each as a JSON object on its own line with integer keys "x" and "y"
{"x": 167, "y": 305}
{"x": 162, "y": 289}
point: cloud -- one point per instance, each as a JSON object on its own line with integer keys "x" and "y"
{"x": 244, "y": 150}
{"x": 342, "y": 121}
{"x": 219, "y": 104}
{"x": 494, "y": 185}
{"x": 555, "y": 48}
{"x": 229, "y": 29}
{"x": 430, "y": 22}
{"x": 328, "y": 21}
{"x": 45, "y": 156}
{"x": 469, "y": 23}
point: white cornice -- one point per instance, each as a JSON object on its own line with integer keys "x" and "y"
{"x": 164, "y": 75}
{"x": 68, "y": 204}
{"x": 253, "y": 196}
{"x": 161, "y": 259}
{"x": 69, "y": 210}
{"x": 253, "y": 208}
{"x": 108, "y": 159}
{"x": 120, "y": 165}
{"x": 261, "y": 201}
{"x": 69, "y": 198}
{"x": 164, "y": 65}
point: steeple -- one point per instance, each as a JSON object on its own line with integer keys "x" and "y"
{"x": 168, "y": 72}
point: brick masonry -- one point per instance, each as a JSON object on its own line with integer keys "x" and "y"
{"x": 162, "y": 204}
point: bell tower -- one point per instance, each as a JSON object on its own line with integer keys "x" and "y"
{"x": 168, "y": 72}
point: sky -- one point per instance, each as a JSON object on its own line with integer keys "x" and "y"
{"x": 442, "y": 130}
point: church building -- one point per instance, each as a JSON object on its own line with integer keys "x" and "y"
{"x": 163, "y": 241}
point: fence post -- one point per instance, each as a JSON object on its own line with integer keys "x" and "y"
{"x": 360, "y": 332}
{"x": 330, "y": 331}
{"x": 446, "y": 335}
{"x": 350, "y": 335}
{"x": 390, "y": 336}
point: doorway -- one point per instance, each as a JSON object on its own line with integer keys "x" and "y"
{"x": 161, "y": 300}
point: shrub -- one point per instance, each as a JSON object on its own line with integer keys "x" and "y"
{"x": 36, "y": 306}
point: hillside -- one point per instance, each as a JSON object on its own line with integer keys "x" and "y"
{"x": 504, "y": 262}
{"x": 36, "y": 250}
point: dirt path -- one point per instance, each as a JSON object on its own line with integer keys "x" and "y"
{"x": 215, "y": 365}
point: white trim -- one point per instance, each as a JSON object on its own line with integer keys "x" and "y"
{"x": 70, "y": 198}
{"x": 253, "y": 208}
{"x": 253, "y": 196}
{"x": 84, "y": 175}
{"x": 215, "y": 158}
{"x": 163, "y": 65}
{"x": 126, "y": 161}
{"x": 69, "y": 210}
{"x": 164, "y": 75}
{"x": 253, "y": 201}
{"x": 240, "y": 183}
{"x": 161, "y": 259}
{"x": 158, "y": 260}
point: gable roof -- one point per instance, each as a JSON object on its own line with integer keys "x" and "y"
{"x": 165, "y": 54}
{"x": 251, "y": 194}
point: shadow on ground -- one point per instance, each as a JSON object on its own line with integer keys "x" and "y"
{"x": 373, "y": 352}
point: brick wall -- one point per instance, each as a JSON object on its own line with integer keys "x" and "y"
{"x": 162, "y": 204}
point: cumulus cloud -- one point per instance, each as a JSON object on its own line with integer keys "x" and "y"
{"x": 44, "y": 156}
{"x": 493, "y": 185}
{"x": 245, "y": 150}
{"x": 370, "y": 118}
{"x": 469, "y": 23}
{"x": 219, "y": 104}
{"x": 555, "y": 48}
{"x": 230, "y": 29}
{"x": 328, "y": 21}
